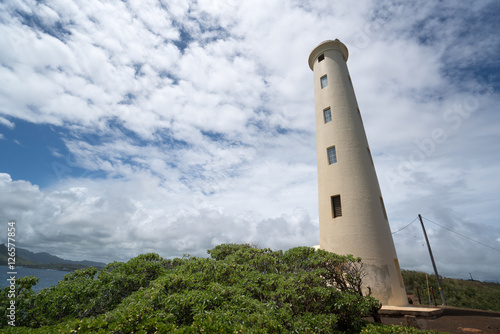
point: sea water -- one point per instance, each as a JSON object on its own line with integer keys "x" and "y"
{"x": 47, "y": 278}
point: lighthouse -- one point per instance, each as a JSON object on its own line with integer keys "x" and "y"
{"x": 352, "y": 216}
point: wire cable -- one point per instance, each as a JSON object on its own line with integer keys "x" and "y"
{"x": 446, "y": 228}
{"x": 405, "y": 226}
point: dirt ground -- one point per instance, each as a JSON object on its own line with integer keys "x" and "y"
{"x": 454, "y": 320}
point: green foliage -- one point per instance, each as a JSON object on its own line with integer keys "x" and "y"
{"x": 23, "y": 297}
{"x": 83, "y": 293}
{"x": 458, "y": 293}
{"x": 239, "y": 289}
{"x": 393, "y": 329}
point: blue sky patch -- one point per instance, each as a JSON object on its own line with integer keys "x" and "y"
{"x": 56, "y": 29}
{"x": 30, "y": 150}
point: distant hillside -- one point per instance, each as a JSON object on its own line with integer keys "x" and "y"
{"x": 21, "y": 261}
{"x": 458, "y": 292}
{"x": 45, "y": 260}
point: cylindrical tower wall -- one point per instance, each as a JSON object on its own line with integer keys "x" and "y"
{"x": 348, "y": 179}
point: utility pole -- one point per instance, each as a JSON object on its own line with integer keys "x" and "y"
{"x": 433, "y": 263}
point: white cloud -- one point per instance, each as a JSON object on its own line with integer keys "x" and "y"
{"x": 7, "y": 123}
{"x": 117, "y": 219}
{"x": 198, "y": 119}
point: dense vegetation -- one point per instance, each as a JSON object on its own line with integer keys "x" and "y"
{"x": 239, "y": 289}
{"x": 458, "y": 293}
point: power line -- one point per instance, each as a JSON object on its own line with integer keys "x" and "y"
{"x": 405, "y": 226}
{"x": 446, "y": 228}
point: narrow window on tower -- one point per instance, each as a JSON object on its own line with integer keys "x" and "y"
{"x": 383, "y": 207}
{"x": 321, "y": 57}
{"x": 328, "y": 114}
{"x": 336, "y": 206}
{"x": 332, "y": 155}
{"x": 324, "y": 81}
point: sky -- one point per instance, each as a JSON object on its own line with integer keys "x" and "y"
{"x": 129, "y": 127}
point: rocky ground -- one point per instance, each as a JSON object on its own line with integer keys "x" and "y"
{"x": 454, "y": 320}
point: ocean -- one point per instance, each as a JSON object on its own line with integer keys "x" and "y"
{"x": 47, "y": 278}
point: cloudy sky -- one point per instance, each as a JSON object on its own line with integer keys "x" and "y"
{"x": 173, "y": 126}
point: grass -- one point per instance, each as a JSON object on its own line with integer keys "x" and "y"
{"x": 458, "y": 292}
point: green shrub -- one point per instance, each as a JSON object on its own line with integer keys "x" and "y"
{"x": 239, "y": 289}
{"x": 458, "y": 293}
{"x": 393, "y": 329}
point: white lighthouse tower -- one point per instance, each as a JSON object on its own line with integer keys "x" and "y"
{"x": 352, "y": 216}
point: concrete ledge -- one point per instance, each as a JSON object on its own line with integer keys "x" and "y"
{"x": 411, "y": 310}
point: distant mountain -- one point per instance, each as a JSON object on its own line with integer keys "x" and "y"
{"x": 20, "y": 261}
{"x": 27, "y": 258}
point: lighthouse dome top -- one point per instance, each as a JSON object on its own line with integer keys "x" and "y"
{"x": 326, "y": 46}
